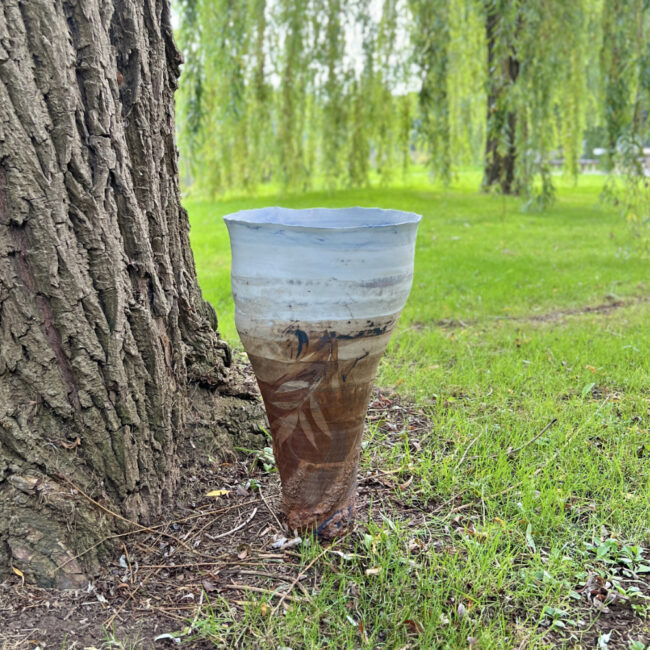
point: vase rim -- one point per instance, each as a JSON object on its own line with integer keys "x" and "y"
{"x": 352, "y": 218}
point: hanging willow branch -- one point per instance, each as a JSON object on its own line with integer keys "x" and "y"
{"x": 431, "y": 42}
{"x": 336, "y": 93}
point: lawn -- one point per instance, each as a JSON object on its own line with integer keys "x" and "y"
{"x": 520, "y": 474}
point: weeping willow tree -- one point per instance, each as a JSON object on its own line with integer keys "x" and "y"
{"x": 625, "y": 60}
{"x": 380, "y": 119}
{"x": 448, "y": 54}
{"x": 503, "y": 22}
{"x": 537, "y": 93}
{"x": 358, "y": 145}
{"x": 292, "y": 24}
{"x": 335, "y": 113}
{"x": 406, "y": 112}
{"x": 215, "y": 37}
{"x": 384, "y": 100}
{"x": 431, "y": 36}
{"x": 259, "y": 96}
{"x": 361, "y": 110}
{"x": 189, "y": 113}
{"x": 339, "y": 92}
{"x": 625, "y": 65}
{"x": 573, "y": 95}
{"x": 466, "y": 82}
{"x": 542, "y": 32}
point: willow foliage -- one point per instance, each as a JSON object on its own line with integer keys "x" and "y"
{"x": 259, "y": 97}
{"x": 431, "y": 39}
{"x": 346, "y": 92}
{"x": 361, "y": 117}
{"x": 335, "y": 102}
{"x": 625, "y": 63}
{"x": 291, "y": 20}
{"x": 189, "y": 106}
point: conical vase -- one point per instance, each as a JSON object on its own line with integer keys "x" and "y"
{"x": 317, "y": 295}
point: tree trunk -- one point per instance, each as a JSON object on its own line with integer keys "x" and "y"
{"x": 501, "y": 117}
{"x": 103, "y": 329}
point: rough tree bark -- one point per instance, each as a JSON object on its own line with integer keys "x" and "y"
{"x": 501, "y": 119}
{"x": 104, "y": 334}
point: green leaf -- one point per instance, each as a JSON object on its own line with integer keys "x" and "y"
{"x": 529, "y": 537}
{"x": 588, "y": 388}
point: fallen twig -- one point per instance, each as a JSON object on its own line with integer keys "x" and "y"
{"x": 122, "y": 518}
{"x": 264, "y": 574}
{"x": 268, "y": 507}
{"x": 144, "y": 529}
{"x": 471, "y": 444}
{"x": 187, "y": 565}
{"x": 442, "y": 506}
{"x": 233, "y": 530}
{"x": 516, "y": 450}
{"x": 275, "y": 594}
{"x": 379, "y": 473}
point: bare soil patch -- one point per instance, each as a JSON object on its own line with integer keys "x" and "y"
{"x": 612, "y": 304}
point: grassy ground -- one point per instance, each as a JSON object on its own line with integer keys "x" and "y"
{"x": 515, "y": 320}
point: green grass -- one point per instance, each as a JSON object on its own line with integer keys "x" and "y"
{"x": 490, "y": 349}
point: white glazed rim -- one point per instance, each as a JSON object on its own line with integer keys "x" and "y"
{"x": 352, "y": 218}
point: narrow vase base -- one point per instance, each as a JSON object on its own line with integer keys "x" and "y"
{"x": 337, "y": 524}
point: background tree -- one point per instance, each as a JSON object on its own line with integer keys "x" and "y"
{"x": 519, "y": 88}
{"x": 190, "y": 109}
{"x": 106, "y": 345}
{"x": 466, "y": 82}
{"x": 537, "y": 95}
{"x": 358, "y": 147}
{"x": 335, "y": 106}
{"x": 431, "y": 43}
{"x": 503, "y": 26}
{"x": 383, "y": 99}
{"x": 293, "y": 21}
{"x": 619, "y": 62}
{"x": 625, "y": 61}
{"x": 259, "y": 96}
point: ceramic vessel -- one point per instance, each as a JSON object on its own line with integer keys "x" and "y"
{"x": 317, "y": 294}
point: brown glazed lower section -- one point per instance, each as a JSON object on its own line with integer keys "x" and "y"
{"x": 316, "y": 380}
